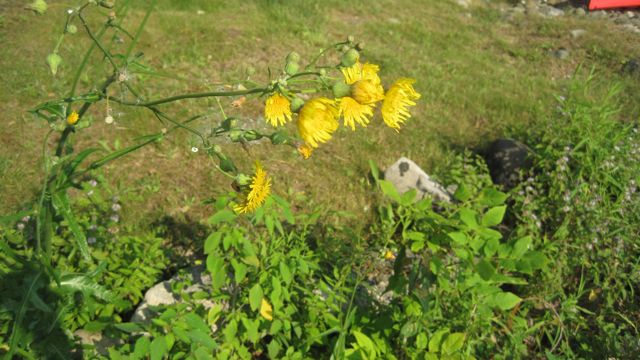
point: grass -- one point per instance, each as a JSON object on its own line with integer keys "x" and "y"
{"x": 481, "y": 77}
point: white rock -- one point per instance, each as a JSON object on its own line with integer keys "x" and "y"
{"x": 576, "y": 33}
{"x": 405, "y": 175}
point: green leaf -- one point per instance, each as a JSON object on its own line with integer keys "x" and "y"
{"x": 537, "y": 260}
{"x": 215, "y": 266}
{"x": 389, "y": 190}
{"x": 422, "y": 341}
{"x": 129, "y": 327}
{"x": 239, "y": 270}
{"x": 221, "y": 216}
{"x": 453, "y": 343}
{"x": 141, "y": 348}
{"x": 521, "y": 246}
{"x": 158, "y": 348}
{"x": 409, "y": 329}
{"x": 255, "y": 297}
{"x": 252, "y": 327}
{"x": 212, "y": 243}
{"x": 486, "y": 270}
{"x": 492, "y": 197}
{"x": 274, "y": 349}
{"x": 251, "y": 260}
{"x": 61, "y": 204}
{"x": 503, "y": 300}
{"x": 202, "y": 338}
{"x": 494, "y": 216}
{"x": 491, "y": 247}
{"x": 365, "y": 343}
{"x": 196, "y": 322}
{"x": 285, "y": 272}
{"x": 462, "y": 193}
{"x": 468, "y": 217}
{"x": 459, "y": 238}
{"x": 436, "y": 340}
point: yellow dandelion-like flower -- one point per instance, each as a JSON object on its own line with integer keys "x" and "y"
{"x": 266, "y": 311}
{"x": 305, "y": 150}
{"x": 367, "y": 91}
{"x": 277, "y": 110}
{"x": 353, "y": 112}
{"x": 389, "y": 255}
{"x": 259, "y": 189}
{"x": 72, "y": 119}
{"x": 365, "y": 82}
{"x": 318, "y": 119}
{"x": 399, "y": 97}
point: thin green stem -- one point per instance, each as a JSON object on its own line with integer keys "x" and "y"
{"x": 192, "y": 96}
{"x": 42, "y": 193}
{"x": 97, "y": 42}
{"x": 315, "y": 60}
{"x": 136, "y": 38}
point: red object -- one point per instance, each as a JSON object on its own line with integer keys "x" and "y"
{"x": 607, "y": 4}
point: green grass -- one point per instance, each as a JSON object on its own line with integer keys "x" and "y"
{"x": 480, "y": 76}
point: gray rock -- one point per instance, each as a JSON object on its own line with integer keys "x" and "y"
{"x": 580, "y": 11}
{"x": 555, "y": 2}
{"x": 506, "y": 158}
{"x": 630, "y": 14}
{"x": 163, "y": 294}
{"x": 632, "y": 28}
{"x": 98, "y": 340}
{"x": 561, "y": 53}
{"x": 576, "y": 33}
{"x": 550, "y": 11}
{"x": 464, "y": 3}
{"x": 598, "y": 14}
{"x": 405, "y": 175}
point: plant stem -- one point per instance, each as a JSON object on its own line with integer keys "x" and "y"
{"x": 192, "y": 96}
{"x": 97, "y": 42}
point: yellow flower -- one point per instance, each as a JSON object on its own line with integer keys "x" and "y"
{"x": 72, "y": 119}
{"x": 365, "y": 90}
{"x": 277, "y": 110}
{"x": 399, "y": 97}
{"x": 266, "y": 311}
{"x": 352, "y": 112}
{"x": 318, "y": 119}
{"x": 259, "y": 189}
{"x": 389, "y": 255}
{"x": 365, "y": 82}
{"x": 305, "y": 150}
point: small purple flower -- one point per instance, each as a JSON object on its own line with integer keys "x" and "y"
{"x": 26, "y": 219}
{"x": 93, "y": 183}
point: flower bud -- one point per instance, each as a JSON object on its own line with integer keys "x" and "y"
{"x": 349, "y": 58}
{"x": 323, "y": 72}
{"x": 279, "y": 138}
{"x": 54, "y": 60}
{"x": 296, "y": 104}
{"x": 227, "y": 165}
{"x": 250, "y": 70}
{"x": 72, "y": 29}
{"x": 243, "y": 180}
{"x": 351, "y": 38}
{"x": 340, "y": 89}
{"x": 235, "y": 135}
{"x": 293, "y": 57}
{"x": 39, "y": 6}
{"x": 251, "y": 135}
{"x": 108, "y": 119}
{"x": 291, "y": 68}
{"x": 360, "y": 46}
{"x": 106, "y": 4}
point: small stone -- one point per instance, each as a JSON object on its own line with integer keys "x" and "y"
{"x": 464, "y": 3}
{"x": 576, "y": 33}
{"x": 631, "y": 67}
{"x": 405, "y": 175}
{"x": 630, "y": 14}
{"x": 580, "y": 11}
{"x": 550, "y": 11}
{"x": 561, "y": 53}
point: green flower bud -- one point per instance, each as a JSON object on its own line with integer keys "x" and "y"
{"x": 106, "y": 4}
{"x": 279, "y": 138}
{"x": 72, "y": 29}
{"x": 345, "y": 48}
{"x": 350, "y": 57}
{"x": 323, "y": 72}
{"x": 227, "y": 165}
{"x": 340, "y": 89}
{"x": 243, "y": 180}
{"x": 293, "y": 57}
{"x": 251, "y": 135}
{"x": 236, "y": 135}
{"x": 54, "y": 60}
{"x": 229, "y": 123}
{"x": 296, "y": 104}
{"x": 39, "y": 6}
{"x": 250, "y": 70}
{"x": 351, "y": 38}
{"x": 360, "y": 46}
{"x": 291, "y": 68}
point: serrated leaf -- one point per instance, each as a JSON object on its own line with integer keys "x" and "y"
{"x": 212, "y": 243}
{"x": 486, "y": 270}
{"x": 61, "y": 204}
{"x": 215, "y": 266}
{"x": 458, "y": 237}
{"x": 452, "y": 343}
{"x": 255, "y": 296}
{"x": 224, "y": 215}
{"x": 494, "y": 216}
{"x": 158, "y": 348}
{"x": 521, "y": 246}
{"x": 462, "y": 193}
{"x": 129, "y": 327}
{"x": 492, "y": 197}
{"x": 468, "y": 217}
{"x": 436, "y": 340}
{"x": 141, "y": 348}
